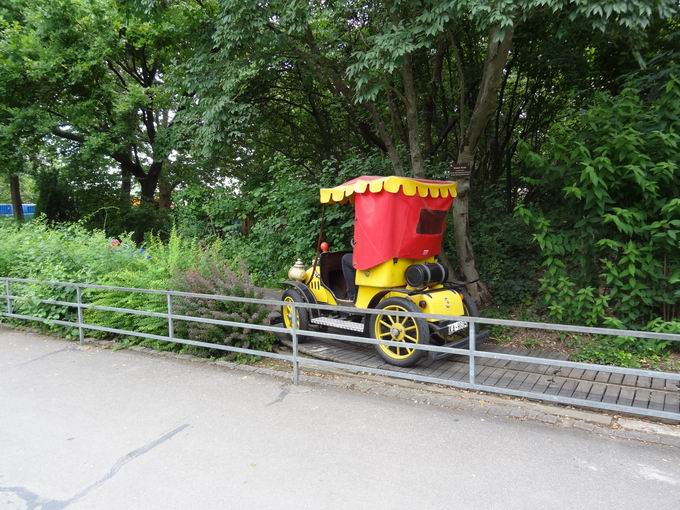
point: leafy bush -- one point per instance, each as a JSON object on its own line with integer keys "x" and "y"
{"x": 608, "y": 217}
{"x": 55, "y": 197}
{"x": 622, "y": 352}
{"x": 152, "y": 268}
{"x": 71, "y": 253}
{"x": 215, "y": 277}
{"x": 626, "y": 351}
{"x": 67, "y": 253}
{"x": 502, "y": 243}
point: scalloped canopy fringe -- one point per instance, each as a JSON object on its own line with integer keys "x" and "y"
{"x": 392, "y": 184}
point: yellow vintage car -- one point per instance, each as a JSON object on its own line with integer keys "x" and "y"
{"x": 398, "y": 229}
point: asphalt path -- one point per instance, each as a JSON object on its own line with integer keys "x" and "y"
{"x": 95, "y": 429}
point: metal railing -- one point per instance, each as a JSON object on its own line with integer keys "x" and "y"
{"x": 296, "y": 360}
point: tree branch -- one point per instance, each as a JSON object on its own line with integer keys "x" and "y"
{"x": 149, "y": 122}
{"x": 397, "y": 122}
{"x": 326, "y": 72}
{"x": 462, "y": 113}
{"x": 385, "y": 137}
{"x": 132, "y": 72}
{"x": 68, "y": 135}
{"x": 128, "y": 165}
{"x": 117, "y": 73}
{"x": 442, "y": 137}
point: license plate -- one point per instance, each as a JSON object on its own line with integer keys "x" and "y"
{"x": 457, "y": 326}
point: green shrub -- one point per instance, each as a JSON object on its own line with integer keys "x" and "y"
{"x": 215, "y": 277}
{"x": 152, "y": 267}
{"x": 71, "y": 253}
{"x": 626, "y": 351}
{"x": 507, "y": 261}
{"x": 607, "y": 223}
{"x": 55, "y": 197}
{"x": 66, "y": 253}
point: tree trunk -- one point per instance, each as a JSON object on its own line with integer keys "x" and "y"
{"x": 247, "y": 224}
{"x": 164, "y": 194}
{"x": 487, "y": 98}
{"x": 15, "y": 192}
{"x": 410, "y": 98}
{"x": 149, "y": 186}
{"x": 385, "y": 137}
{"x": 466, "y": 256}
{"x": 125, "y": 186}
{"x": 149, "y": 182}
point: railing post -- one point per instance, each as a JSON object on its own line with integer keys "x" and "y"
{"x": 81, "y": 333}
{"x": 296, "y": 363}
{"x": 8, "y": 296}
{"x": 171, "y": 324}
{"x": 472, "y": 345}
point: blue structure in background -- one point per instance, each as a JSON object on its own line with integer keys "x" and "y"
{"x": 6, "y": 210}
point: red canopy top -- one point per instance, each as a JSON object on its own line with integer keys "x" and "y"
{"x": 395, "y": 217}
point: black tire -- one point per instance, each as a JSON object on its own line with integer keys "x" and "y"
{"x": 302, "y": 313}
{"x": 395, "y": 355}
{"x": 469, "y": 304}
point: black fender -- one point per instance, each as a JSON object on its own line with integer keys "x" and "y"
{"x": 306, "y": 294}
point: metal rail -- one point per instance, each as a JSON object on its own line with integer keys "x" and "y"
{"x": 295, "y": 332}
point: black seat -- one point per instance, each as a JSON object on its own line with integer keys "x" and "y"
{"x": 330, "y": 268}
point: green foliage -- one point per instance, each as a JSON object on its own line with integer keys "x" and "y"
{"x": 268, "y": 227}
{"x": 67, "y": 253}
{"x": 608, "y": 216}
{"x": 272, "y": 223}
{"x": 153, "y": 267}
{"x": 401, "y": 28}
{"x": 146, "y": 220}
{"x": 622, "y": 352}
{"x": 71, "y": 253}
{"x": 63, "y": 253}
{"x": 531, "y": 343}
{"x": 502, "y": 245}
{"x": 628, "y": 352}
{"x": 55, "y": 198}
{"x": 94, "y": 86}
{"x": 215, "y": 277}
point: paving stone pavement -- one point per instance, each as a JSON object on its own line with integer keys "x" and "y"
{"x": 596, "y": 386}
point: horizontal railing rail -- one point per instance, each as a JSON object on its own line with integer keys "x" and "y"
{"x": 472, "y": 353}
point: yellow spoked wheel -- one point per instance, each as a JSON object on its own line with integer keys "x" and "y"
{"x": 287, "y": 313}
{"x": 302, "y": 315}
{"x": 407, "y": 331}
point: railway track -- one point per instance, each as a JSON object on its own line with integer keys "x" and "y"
{"x": 597, "y": 386}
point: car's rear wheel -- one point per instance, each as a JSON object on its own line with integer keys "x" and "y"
{"x": 471, "y": 310}
{"x": 408, "y": 331}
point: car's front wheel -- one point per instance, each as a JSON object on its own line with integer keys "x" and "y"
{"x": 289, "y": 297}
